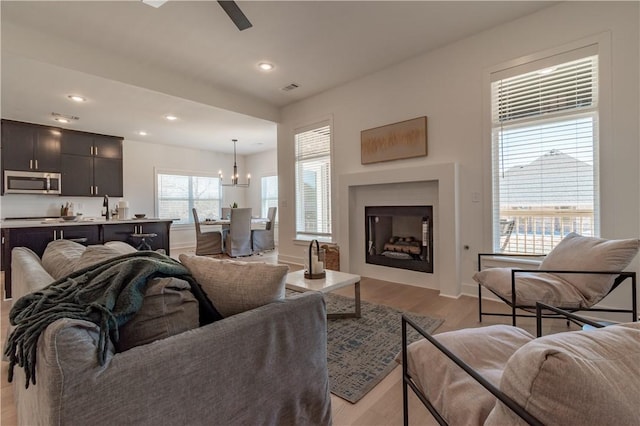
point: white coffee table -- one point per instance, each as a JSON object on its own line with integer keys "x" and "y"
{"x": 333, "y": 281}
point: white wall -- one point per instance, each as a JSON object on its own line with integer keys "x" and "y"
{"x": 259, "y": 165}
{"x": 447, "y": 85}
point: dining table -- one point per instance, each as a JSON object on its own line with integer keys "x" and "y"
{"x": 223, "y": 225}
{"x": 257, "y": 224}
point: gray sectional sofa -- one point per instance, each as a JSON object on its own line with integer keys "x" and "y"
{"x": 264, "y": 366}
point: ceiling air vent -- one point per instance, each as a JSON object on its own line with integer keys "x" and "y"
{"x": 64, "y": 118}
{"x": 290, "y": 87}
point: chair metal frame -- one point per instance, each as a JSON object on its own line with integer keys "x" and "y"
{"x": 407, "y": 381}
{"x": 622, "y": 276}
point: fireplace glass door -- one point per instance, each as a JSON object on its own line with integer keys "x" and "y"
{"x": 400, "y": 237}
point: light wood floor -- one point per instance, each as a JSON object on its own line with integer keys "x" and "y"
{"x": 383, "y": 405}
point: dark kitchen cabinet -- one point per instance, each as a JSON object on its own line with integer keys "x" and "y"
{"x": 124, "y": 232}
{"x": 30, "y": 147}
{"x": 91, "y": 164}
{"x": 77, "y": 175}
{"x": 36, "y": 238}
{"x": 92, "y": 145}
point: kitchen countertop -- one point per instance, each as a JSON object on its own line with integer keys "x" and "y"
{"x": 37, "y": 223}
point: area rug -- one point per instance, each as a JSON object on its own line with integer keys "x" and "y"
{"x": 362, "y": 351}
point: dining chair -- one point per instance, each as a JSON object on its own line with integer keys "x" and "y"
{"x": 238, "y": 239}
{"x": 263, "y": 239}
{"x": 206, "y": 242}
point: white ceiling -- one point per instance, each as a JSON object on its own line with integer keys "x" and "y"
{"x": 316, "y": 44}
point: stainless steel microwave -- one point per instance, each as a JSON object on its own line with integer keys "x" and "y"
{"x": 16, "y": 182}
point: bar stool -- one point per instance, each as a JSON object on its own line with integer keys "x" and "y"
{"x": 144, "y": 240}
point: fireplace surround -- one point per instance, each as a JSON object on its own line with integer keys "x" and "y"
{"x": 395, "y": 186}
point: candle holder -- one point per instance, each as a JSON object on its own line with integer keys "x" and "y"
{"x": 315, "y": 258}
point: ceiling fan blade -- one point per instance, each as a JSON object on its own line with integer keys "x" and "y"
{"x": 235, "y": 14}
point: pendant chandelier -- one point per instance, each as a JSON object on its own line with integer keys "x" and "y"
{"x": 234, "y": 177}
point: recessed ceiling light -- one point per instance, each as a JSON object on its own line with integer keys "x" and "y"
{"x": 265, "y": 66}
{"x": 62, "y": 120}
{"x": 77, "y": 98}
{"x": 170, "y": 117}
{"x": 142, "y": 133}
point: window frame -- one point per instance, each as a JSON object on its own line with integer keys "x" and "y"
{"x": 303, "y": 237}
{"x": 601, "y": 45}
{"x": 264, "y": 207}
{"x": 186, "y": 173}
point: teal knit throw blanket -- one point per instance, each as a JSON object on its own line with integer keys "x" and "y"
{"x": 108, "y": 294}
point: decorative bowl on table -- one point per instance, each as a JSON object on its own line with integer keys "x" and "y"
{"x": 69, "y": 218}
{"x": 140, "y": 215}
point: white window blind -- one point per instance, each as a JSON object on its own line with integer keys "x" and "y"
{"x": 178, "y": 194}
{"x": 545, "y": 168}
{"x": 313, "y": 181}
{"x": 269, "y": 194}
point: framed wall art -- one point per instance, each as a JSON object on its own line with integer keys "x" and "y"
{"x": 406, "y": 139}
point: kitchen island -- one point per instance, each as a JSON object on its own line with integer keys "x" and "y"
{"x": 35, "y": 234}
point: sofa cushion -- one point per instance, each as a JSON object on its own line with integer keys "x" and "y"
{"x": 60, "y": 256}
{"x": 576, "y": 378}
{"x": 532, "y": 287}
{"x": 234, "y": 286}
{"x": 578, "y": 253}
{"x": 169, "y": 308}
{"x": 456, "y": 395}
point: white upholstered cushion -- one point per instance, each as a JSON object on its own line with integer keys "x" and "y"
{"x": 457, "y": 396}
{"x": 576, "y": 378}
{"x": 578, "y": 253}
{"x": 532, "y": 288}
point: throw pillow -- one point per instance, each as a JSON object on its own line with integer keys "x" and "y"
{"x": 578, "y": 253}
{"x": 60, "y": 256}
{"x": 234, "y": 286}
{"x": 121, "y": 247}
{"x": 95, "y": 254}
{"x": 169, "y": 308}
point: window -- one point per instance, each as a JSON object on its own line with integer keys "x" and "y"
{"x": 179, "y": 193}
{"x": 313, "y": 181}
{"x": 545, "y": 163}
{"x": 269, "y": 194}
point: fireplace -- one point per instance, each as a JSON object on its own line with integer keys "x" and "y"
{"x": 400, "y": 237}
